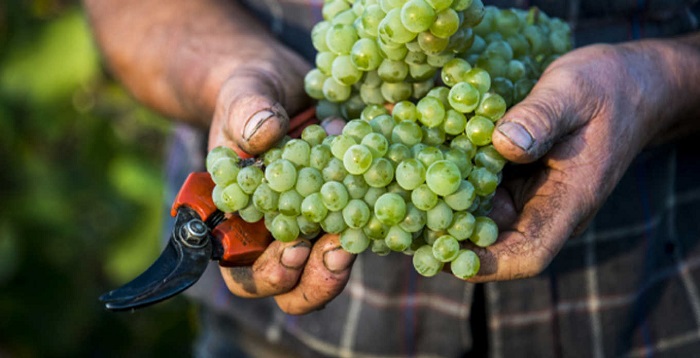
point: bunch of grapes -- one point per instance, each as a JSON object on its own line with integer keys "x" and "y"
{"x": 421, "y": 84}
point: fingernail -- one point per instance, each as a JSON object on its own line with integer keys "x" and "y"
{"x": 255, "y": 122}
{"x": 295, "y": 256}
{"x": 517, "y": 134}
{"x": 337, "y": 260}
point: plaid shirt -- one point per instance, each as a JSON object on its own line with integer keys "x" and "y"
{"x": 627, "y": 287}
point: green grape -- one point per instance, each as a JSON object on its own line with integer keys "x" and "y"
{"x": 297, "y": 151}
{"x": 465, "y": 144}
{"x": 379, "y": 247}
{"x": 440, "y": 5}
{"x": 397, "y": 239}
{"x": 392, "y": 29}
{"x": 281, "y": 175}
{"x": 491, "y": 106}
{"x": 344, "y": 70}
{"x": 490, "y": 159}
{"x": 357, "y": 159}
{"x": 461, "y": 41}
{"x": 356, "y": 185}
{"x": 326, "y": 108}
{"x": 397, "y": 53}
{"x": 424, "y": 198}
{"x": 485, "y": 232}
{"x": 388, "y": 5}
{"x": 371, "y": 94}
{"x": 265, "y": 199}
{"x": 284, "y": 228}
{"x": 439, "y": 217}
{"x": 356, "y": 213}
{"x": 417, "y": 15}
{"x": 500, "y": 49}
{"x": 455, "y": 71}
{"x": 463, "y": 198}
{"x": 383, "y": 124}
{"x": 464, "y": 97}
{"x": 439, "y": 60}
{"x": 334, "y": 195}
{"x": 271, "y": 155}
{"x": 446, "y": 24}
{"x": 397, "y": 153}
{"x": 333, "y": 8}
{"x": 484, "y": 181}
{"x": 334, "y": 171}
{"x": 441, "y": 93}
{"x": 335, "y": 91}
{"x": 313, "y": 83}
{"x": 461, "y": 160}
{"x": 308, "y": 228}
{"x": 474, "y": 14}
{"x": 396, "y": 92}
{"x": 425, "y": 263}
{"x": 443, "y": 177}
{"x": 371, "y": 18}
{"x": 421, "y": 72}
{"x": 431, "y": 112}
{"x": 434, "y": 136}
{"x": 372, "y": 111}
{"x": 289, "y": 203}
{"x": 446, "y": 248}
{"x": 390, "y": 209}
{"x": 429, "y": 236}
{"x": 495, "y": 65}
{"x": 428, "y": 155}
{"x": 340, "y": 145}
{"x": 218, "y": 200}
{"x": 318, "y": 36}
{"x": 516, "y": 70}
{"x": 392, "y": 71}
{"x": 479, "y": 130}
{"x": 224, "y": 171}
{"x": 319, "y": 156}
{"x": 415, "y": 219}
{"x": 454, "y": 122}
{"x": 507, "y": 22}
{"x": 373, "y": 193}
{"x": 465, "y": 265}
{"x": 365, "y": 55}
{"x": 377, "y": 144}
{"x": 334, "y": 223}
{"x": 374, "y": 229}
{"x": 461, "y": 5}
{"x": 313, "y": 209}
{"x": 416, "y": 57}
{"x": 357, "y": 129}
{"x": 340, "y": 38}
{"x": 462, "y": 225}
{"x": 346, "y": 17}
{"x": 250, "y": 213}
{"x": 431, "y": 44}
{"x": 313, "y": 134}
{"x": 324, "y": 61}
{"x": 407, "y": 133}
{"x": 504, "y": 88}
{"x": 479, "y": 78}
{"x": 249, "y": 178}
{"x": 404, "y": 111}
{"x": 410, "y": 173}
{"x": 522, "y": 88}
{"x": 218, "y": 153}
{"x": 380, "y": 173}
{"x": 354, "y": 241}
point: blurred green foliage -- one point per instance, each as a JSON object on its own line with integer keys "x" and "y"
{"x": 81, "y": 183}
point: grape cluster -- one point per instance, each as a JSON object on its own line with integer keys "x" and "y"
{"x": 387, "y": 51}
{"x": 421, "y": 84}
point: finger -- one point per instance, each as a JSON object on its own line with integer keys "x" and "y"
{"x": 553, "y": 109}
{"x": 325, "y": 275}
{"x": 250, "y": 114}
{"x": 528, "y": 246}
{"x": 276, "y": 271}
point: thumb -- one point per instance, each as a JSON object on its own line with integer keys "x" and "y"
{"x": 250, "y": 114}
{"x": 529, "y": 129}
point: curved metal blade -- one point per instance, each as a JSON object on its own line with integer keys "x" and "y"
{"x": 178, "y": 267}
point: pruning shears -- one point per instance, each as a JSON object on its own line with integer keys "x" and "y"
{"x": 201, "y": 233}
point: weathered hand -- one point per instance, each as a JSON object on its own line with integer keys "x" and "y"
{"x": 251, "y": 115}
{"x": 590, "y": 114}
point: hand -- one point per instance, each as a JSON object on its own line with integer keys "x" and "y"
{"x": 590, "y": 114}
{"x": 250, "y": 116}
